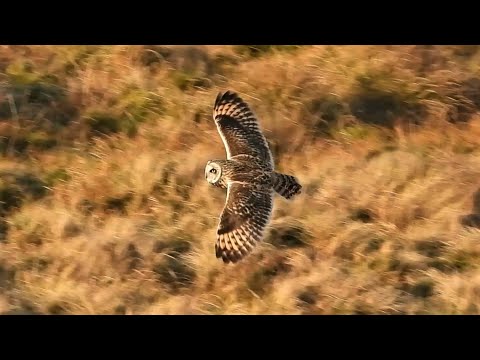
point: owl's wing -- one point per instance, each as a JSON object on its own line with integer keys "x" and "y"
{"x": 239, "y": 128}
{"x": 243, "y": 221}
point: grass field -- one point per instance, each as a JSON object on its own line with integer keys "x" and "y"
{"x": 105, "y": 209}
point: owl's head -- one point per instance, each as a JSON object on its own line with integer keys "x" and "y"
{"x": 213, "y": 173}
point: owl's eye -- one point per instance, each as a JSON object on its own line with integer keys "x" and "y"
{"x": 213, "y": 171}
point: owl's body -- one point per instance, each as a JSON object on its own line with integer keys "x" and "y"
{"x": 249, "y": 177}
{"x": 242, "y": 169}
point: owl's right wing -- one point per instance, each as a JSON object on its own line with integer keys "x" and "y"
{"x": 243, "y": 221}
{"x": 239, "y": 128}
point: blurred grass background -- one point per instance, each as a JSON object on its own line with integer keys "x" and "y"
{"x": 105, "y": 210}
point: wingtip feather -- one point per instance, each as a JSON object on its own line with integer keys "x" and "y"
{"x": 223, "y": 95}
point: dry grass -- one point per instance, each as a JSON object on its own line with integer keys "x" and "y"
{"x": 105, "y": 209}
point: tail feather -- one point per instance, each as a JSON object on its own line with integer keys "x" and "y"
{"x": 286, "y": 185}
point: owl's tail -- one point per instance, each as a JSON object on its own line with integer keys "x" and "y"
{"x": 285, "y": 185}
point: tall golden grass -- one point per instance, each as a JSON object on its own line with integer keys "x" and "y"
{"x": 105, "y": 209}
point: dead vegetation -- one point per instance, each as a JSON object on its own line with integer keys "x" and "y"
{"x": 104, "y": 208}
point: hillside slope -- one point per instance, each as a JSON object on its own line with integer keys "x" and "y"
{"x": 105, "y": 209}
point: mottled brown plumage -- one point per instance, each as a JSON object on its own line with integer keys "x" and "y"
{"x": 249, "y": 177}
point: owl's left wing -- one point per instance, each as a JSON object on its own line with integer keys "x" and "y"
{"x": 243, "y": 221}
{"x": 239, "y": 128}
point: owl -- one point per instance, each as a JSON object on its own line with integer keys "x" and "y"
{"x": 248, "y": 176}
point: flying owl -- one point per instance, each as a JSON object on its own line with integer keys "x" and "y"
{"x": 248, "y": 176}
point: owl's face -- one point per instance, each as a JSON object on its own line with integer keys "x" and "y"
{"x": 213, "y": 173}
